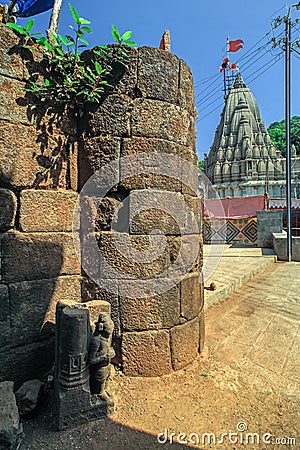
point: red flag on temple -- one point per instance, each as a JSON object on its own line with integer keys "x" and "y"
{"x": 234, "y": 46}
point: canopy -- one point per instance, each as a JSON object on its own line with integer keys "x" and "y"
{"x": 233, "y": 208}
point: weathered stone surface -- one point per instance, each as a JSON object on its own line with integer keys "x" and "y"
{"x": 8, "y": 209}
{"x": 191, "y": 300}
{"x": 4, "y": 315}
{"x": 124, "y": 78}
{"x": 32, "y": 256}
{"x": 146, "y": 353}
{"x": 90, "y": 291}
{"x": 156, "y": 211}
{"x": 11, "y": 101}
{"x": 194, "y": 204}
{"x": 186, "y": 87}
{"x": 158, "y": 74}
{"x": 11, "y": 63}
{"x": 10, "y": 427}
{"x": 101, "y": 150}
{"x": 189, "y": 154}
{"x": 153, "y": 118}
{"x": 27, "y": 361}
{"x": 268, "y": 222}
{"x": 184, "y": 343}
{"x": 133, "y": 145}
{"x": 110, "y": 210}
{"x": 186, "y": 253}
{"x": 111, "y": 117}
{"x": 150, "y": 171}
{"x": 43, "y": 210}
{"x": 29, "y": 396}
{"x": 189, "y": 177}
{"x": 150, "y": 313}
{"x": 33, "y": 158}
{"x": 33, "y": 303}
{"x": 124, "y": 256}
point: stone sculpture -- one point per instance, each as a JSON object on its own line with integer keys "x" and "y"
{"x": 100, "y": 354}
{"x": 78, "y": 351}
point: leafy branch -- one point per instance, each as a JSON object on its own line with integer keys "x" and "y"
{"x": 68, "y": 78}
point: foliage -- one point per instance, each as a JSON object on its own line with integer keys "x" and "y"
{"x": 68, "y": 78}
{"x": 200, "y": 165}
{"x": 277, "y": 133}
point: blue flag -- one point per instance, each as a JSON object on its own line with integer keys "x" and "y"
{"x": 27, "y": 8}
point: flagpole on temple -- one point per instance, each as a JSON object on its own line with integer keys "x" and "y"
{"x": 54, "y": 20}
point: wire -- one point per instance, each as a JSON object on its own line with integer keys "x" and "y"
{"x": 210, "y": 112}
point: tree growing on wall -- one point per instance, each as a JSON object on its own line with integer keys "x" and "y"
{"x": 277, "y": 133}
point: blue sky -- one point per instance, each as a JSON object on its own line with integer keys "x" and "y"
{"x": 198, "y": 35}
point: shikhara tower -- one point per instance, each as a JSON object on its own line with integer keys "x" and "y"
{"x": 242, "y": 160}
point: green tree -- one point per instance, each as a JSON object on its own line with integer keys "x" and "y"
{"x": 200, "y": 165}
{"x": 277, "y": 133}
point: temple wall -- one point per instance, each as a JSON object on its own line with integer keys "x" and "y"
{"x": 44, "y": 166}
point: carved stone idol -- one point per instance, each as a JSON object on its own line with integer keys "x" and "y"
{"x": 100, "y": 354}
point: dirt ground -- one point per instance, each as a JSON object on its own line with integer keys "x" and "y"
{"x": 217, "y": 394}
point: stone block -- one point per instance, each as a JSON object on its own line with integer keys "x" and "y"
{"x": 134, "y": 256}
{"x": 189, "y": 177}
{"x": 4, "y": 316}
{"x": 13, "y": 106}
{"x": 10, "y": 426}
{"x": 29, "y": 397}
{"x": 156, "y": 211}
{"x": 11, "y": 63}
{"x": 32, "y": 256}
{"x": 31, "y": 158}
{"x": 189, "y": 154}
{"x": 100, "y": 151}
{"x": 91, "y": 256}
{"x": 146, "y": 353}
{"x": 33, "y": 303}
{"x": 158, "y": 74}
{"x": 191, "y": 299}
{"x": 91, "y": 292}
{"x": 184, "y": 343}
{"x": 45, "y": 210}
{"x": 186, "y": 87}
{"x": 194, "y": 204}
{"x": 186, "y": 254}
{"x": 111, "y": 117}
{"x": 150, "y": 313}
{"x": 124, "y": 78}
{"x": 157, "y": 119}
{"x": 8, "y": 209}
{"x": 27, "y": 361}
{"x": 268, "y": 222}
{"x": 147, "y": 164}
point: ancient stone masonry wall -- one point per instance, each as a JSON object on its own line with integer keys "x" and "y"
{"x": 151, "y": 112}
{"x": 43, "y": 167}
{"x": 37, "y": 197}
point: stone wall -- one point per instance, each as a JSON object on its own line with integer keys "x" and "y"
{"x": 268, "y": 222}
{"x": 43, "y": 167}
{"x": 37, "y": 197}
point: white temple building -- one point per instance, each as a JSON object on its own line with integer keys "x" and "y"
{"x": 242, "y": 160}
